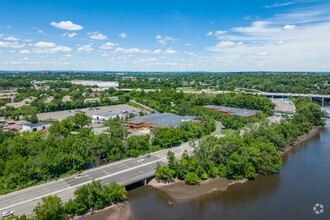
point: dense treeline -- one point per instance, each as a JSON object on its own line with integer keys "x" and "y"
{"x": 269, "y": 82}
{"x": 89, "y": 197}
{"x": 252, "y": 150}
{"x": 31, "y": 158}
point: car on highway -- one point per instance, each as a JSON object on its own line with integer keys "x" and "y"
{"x": 148, "y": 156}
{"x": 8, "y": 213}
{"x": 140, "y": 160}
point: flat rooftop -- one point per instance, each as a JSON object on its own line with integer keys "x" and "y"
{"x": 113, "y": 109}
{"x": 164, "y": 119}
{"x": 37, "y": 124}
{"x": 236, "y": 111}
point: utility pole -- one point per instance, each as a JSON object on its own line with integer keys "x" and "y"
{"x": 124, "y": 127}
{"x": 73, "y": 165}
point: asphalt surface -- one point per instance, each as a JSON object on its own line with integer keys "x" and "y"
{"x": 24, "y": 201}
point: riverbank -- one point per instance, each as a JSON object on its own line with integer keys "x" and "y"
{"x": 302, "y": 138}
{"x": 178, "y": 190}
{"x": 120, "y": 211}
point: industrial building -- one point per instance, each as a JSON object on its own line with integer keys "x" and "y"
{"x": 158, "y": 120}
{"x": 105, "y": 116}
{"x": 36, "y": 127}
{"x": 240, "y": 112}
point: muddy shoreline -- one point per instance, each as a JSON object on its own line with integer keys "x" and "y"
{"x": 178, "y": 190}
{"x": 120, "y": 211}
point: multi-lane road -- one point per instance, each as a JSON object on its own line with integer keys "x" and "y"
{"x": 123, "y": 172}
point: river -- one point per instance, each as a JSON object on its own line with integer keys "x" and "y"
{"x": 304, "y": 180}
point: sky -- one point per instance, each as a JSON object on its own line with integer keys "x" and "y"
{"x": 159, "y": 35}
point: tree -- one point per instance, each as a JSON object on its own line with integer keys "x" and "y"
{"x": 192, "y": 178}
{"x": 51, "y": 208}
{"x": 80, "y": 119}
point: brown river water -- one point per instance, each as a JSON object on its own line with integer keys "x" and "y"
{"x": 304, "y": 181}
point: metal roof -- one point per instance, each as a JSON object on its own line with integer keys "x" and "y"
{"x": 236, "y": 111}
{"x": 164, "y": 119}
{"x": 37, "y": 124}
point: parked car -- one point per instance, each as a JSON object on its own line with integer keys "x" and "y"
{"x": 141, "y": 160}
{"x": 6, "y": 214}
{"x": 148, "y": 156}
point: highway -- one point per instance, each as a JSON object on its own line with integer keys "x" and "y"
{"x": 24, "y": 201}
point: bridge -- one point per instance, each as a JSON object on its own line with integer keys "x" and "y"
{"x": 125, "y": 172}
{"x": 316, "y": 97}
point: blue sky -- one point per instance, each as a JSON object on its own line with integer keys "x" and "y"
{"x": 241, "y": 35}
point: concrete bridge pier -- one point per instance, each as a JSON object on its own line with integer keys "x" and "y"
{"x": 322, "y": 101}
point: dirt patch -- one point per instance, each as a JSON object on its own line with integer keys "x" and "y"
{"x": 180, "y": 191}
{"x": 120, "y": 211}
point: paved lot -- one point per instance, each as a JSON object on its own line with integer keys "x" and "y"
{"x": 284, "y": 105}
{"x": 115, "y": 109}
{"x": 24, "y": 201}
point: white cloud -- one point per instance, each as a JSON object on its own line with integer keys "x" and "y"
{"x": 72, "y": 34}
{"x": 258, "y": 27}
{"x": 164, "y": 40}
{"x": 170, "y": 51}
{"x": 11, "y": 38}
{"x": 86, "y": 48}
{"x": 148, "y": 59}
{"x": 128, "y": 50}
{"x": 69, "y": 55}
{"x": 44, "y": 44}
{"x": 67, "y": 25}
{"x": 122, "y": 35}
{"x": 209, "y": 33}
{"x": 225, "y": 44}
{"x": 289, "y": 27}
{"x": 49, "y": 50}
{"x": 25, "y": 58}
{"x": 279, "y": 5}
{"x": 220, "y": 32}
{"x": 11, "y": 44}
{"x": 107, "y": 46}
{"x": 12, "y": 51}
{"x": 158, "y": 51}
{"x": 40, "y": 32}
{"x": 189, "y": 53}
{"x": 25, "y": 51}
{"x": 1, "y": 35}
{"x": 97, "y": 36}
{"x": 188, "y": 44}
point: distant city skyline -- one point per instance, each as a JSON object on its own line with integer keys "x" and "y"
{"x": 215, "y": 36}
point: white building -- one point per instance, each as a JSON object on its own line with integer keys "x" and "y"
{"x": 36, "y": 127}
{"x": 114, "y": 98}
{"x": 104, "y": 116}
{"x": 93, "y": 100}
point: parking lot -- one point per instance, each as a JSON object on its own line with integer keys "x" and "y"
{"x": 114, "y": 109}
{"x": 285, "y": 105}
